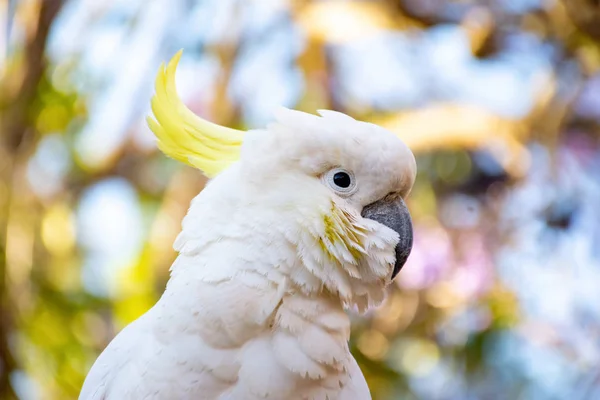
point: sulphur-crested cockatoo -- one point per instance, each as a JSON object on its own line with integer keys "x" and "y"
{"x": 300, "y": 221}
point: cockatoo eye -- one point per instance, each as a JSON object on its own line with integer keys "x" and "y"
{"x": 341, "y": 180}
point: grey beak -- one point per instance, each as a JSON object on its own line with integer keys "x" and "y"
{"x": 393, "y": 213}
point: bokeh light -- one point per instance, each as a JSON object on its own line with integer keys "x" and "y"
{"x": 499, "y": 100}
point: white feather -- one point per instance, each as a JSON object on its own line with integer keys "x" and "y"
{"x": 269, "y": 258}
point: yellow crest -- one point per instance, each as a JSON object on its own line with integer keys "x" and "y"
{"x": 185, "y": 136}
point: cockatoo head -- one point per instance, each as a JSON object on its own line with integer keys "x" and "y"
{"x": 349, "y": 170}
{"x": 323, "y": 195}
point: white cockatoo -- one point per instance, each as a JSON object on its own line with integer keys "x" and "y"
{"x": 300, "y": 221}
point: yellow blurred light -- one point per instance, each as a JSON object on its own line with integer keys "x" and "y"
{"x": 135, "y": 289}
{"x": 419, "y": 357}
{"x": 393, "y": 306}
{"x": 165, "y": 229}
{"x": 49, "y": 328}
{"x": 89, "y": 329}
{"x": 443, "y": 295}
{"x": 58, "y": 230}
{"x": 78, "y": 328}
{"x": 53, "y": 118}
{"x": 504, "y": 306}
{"x": 344, "y": 21}
{"x": 453, "y": 167}
{"x": 423, "y": 201}
{"x": 532, "y": 23}
{"x": 131, "y": 307}
{"x": 395, "y": 314}
{"x": 64, "y": 274}
{"x": 74, "y": 368}
{"x": 445, "y": 164}
{"x": 373, "y": 344}
{"x": 459, "y": 126}
{"x": 4, "y": 191}
{"x": 19, "y": 246}
{"x": 410, "y": 305}
{"x": 589, "y": 57}
{"x": 449, "y": 126}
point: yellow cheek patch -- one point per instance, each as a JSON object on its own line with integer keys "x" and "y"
{"x": 343, "y": 236}
{"x": 185, "y": 136}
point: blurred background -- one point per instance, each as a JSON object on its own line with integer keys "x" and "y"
{"x": 499, "y": 99}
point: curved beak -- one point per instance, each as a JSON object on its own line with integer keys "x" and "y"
{"x": 392, "y": 212}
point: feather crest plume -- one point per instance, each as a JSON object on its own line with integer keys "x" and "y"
{"x": 185, "y": 136}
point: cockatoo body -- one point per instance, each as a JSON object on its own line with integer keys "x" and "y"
{"x": 302, "y": 220}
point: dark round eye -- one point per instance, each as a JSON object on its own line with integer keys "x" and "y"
{"x": 342, "y": 179}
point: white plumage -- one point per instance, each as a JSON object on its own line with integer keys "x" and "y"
{"x": 270, "y": 255}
